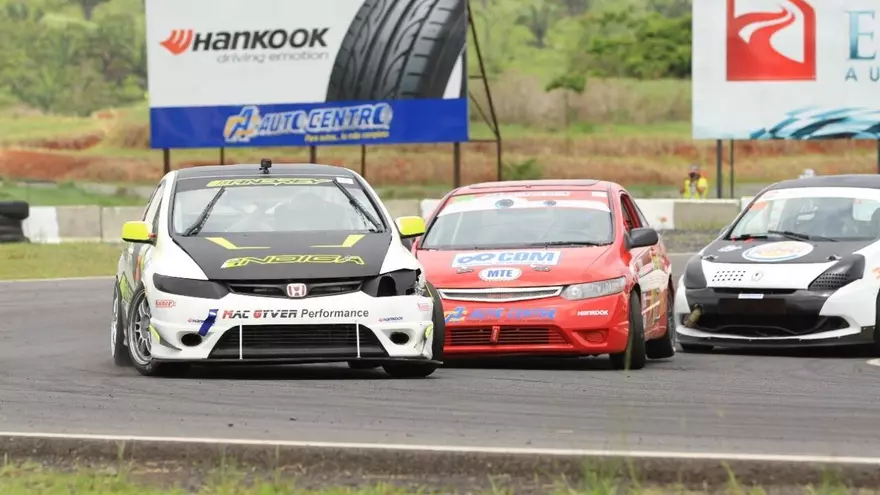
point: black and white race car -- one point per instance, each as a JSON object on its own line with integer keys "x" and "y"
{"x": 261, "y": 264}
{"x": 799, "y": 266}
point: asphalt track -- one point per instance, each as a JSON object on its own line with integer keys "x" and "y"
{"x": 56, "y": 376}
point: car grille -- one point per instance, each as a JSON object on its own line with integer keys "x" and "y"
{"x": 278, "y": 288}
{"x": 728, "y": 276}
{"x": 499, "y": 295}
{"x": 298, "y": 341}
{"x": 768, "y": 326}
{"x": 505, "y": 336}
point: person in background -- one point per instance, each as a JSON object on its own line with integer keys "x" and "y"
{"x": 695, "y": 186}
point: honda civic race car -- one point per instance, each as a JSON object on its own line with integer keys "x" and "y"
{"x": 799, "y": 266}
{"x": 549, "y": 268}
{"x": 262, "y": 264}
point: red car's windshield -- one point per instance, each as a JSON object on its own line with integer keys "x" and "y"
{"x": 521, "y": 220}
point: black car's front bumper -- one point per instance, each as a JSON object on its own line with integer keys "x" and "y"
{"x": 766, "y": 318}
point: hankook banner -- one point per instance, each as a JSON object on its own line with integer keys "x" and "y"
{"x": 226, "y": 73}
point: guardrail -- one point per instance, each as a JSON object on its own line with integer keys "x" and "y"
{"x": 56, "y": 224}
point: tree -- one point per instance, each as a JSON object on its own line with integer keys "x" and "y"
{"x": 671, "y": 8}
{"x": 538, "y": 19}
{"x": 574, "y": 7}
{"x": 88, "y": 7}
{"x": 570, "y": 82}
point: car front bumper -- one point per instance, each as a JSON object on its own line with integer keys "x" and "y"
{"x": 278, "y": 330}
{"x": 540, "y": 327}
{"x": 728, "y": 317}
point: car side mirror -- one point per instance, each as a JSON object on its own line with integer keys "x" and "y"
{"x": 139, "y": 232}
{"x": 410, "y": 227}
{"x": 643, "y": 237}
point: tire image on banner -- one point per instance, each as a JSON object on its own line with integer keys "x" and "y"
{"x": 266, "y": 73}
{"x": 398, "y": 49}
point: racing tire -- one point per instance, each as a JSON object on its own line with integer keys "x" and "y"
{"x": 118, "y": 349}
{"x": 13, "y": 239}
{"x": 415, "y": 370}
{"x": 9, "y": 223}
{"x": 664, "y": 347}
{"x": 15, "y": 210}
{"x": 400, "y": 49}
{"x": 140, "y": 341}
{"x": 634, "y": 357}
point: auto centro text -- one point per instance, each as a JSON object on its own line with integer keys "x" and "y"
{"x": 364, "y": 121}
{"x": 506, "y": 258}
{"x": 266, "y": 314}
{"x": 863, "y": 46}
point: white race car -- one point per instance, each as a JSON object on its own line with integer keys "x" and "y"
{"x": 296, "y": 263}
{"x": 800, "y": 266}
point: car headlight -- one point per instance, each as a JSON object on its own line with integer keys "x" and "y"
{"x": 397, "y": 283}
{"x": 594, "y": 289}
{"x": 204, "y": 289}
{"x": 694, "y": 278}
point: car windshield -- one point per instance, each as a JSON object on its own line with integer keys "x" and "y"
{"x": 822, "y": 214}
{"x": 521, "y": 220}
{"x": 277, "y": 204}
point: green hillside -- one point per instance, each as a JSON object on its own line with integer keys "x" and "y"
{"x": 77, "y": 56}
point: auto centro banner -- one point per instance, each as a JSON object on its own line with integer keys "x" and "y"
{"x": 786, "y": 69}
{"x": 225, "y": 73}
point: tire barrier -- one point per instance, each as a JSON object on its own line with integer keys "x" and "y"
{"x": 12, "y": 216}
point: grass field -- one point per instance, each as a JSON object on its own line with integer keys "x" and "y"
{"x": 635, "y": 133}
{"x": 34, "y": 479}
{"x": 39, "y": 261}
{"x": 63, "y": 194}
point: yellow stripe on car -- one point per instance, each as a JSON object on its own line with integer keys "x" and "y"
{"x": 222, "y": 242}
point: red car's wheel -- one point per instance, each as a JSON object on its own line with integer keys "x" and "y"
{"x": 634, "y": 357}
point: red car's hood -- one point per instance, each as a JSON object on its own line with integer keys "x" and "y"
{"x": 572, "y": 266}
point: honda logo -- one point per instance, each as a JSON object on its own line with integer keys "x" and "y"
{"x": 296, "y": 290}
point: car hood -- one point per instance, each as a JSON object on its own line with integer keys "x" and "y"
{"x": 527, "y": 267}
{"x": 299, "y": 255}
{"x": 779, "y": 251}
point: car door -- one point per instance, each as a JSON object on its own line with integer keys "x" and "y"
{"x": 644, "y": 265}
{"x": 134, "y": 253}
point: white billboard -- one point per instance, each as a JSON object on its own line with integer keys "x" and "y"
{"x": 306, "y": 72}
{"x": 786, "y": 69}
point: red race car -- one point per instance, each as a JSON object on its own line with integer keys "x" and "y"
{"x": 549, "y": 268}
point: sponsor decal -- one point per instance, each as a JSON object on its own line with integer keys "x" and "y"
{"x": 778, "y": 251}
{"x": 390, "y": 319}
{"x": 289, "y": 259}
{"x": 287, "y": 314}
{"x": 511, "y": 314}
{"x": 729, "y": 249}
{"x": 876, "y": 272}
{"x": 429, "y": 331}
{"x": 423, "y": 306}
{"x": 293, "y": 181}
{"x": 180, "y": 41}
{"x": 365, "y": 121}
{"x": 593, "y": 312}
{"x": 209, "y": 322}
{"x": 506, "y": 258}
{"x": 345, "y": 180}
{"x": 165, "y": 304}
{"x": 195, "y": 320}
{"x": 754, "y": 53}
{"x": 500, "y": 274}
